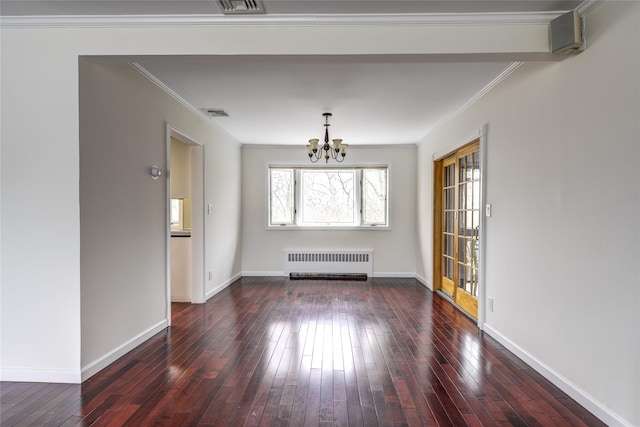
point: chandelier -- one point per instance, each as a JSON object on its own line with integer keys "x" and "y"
{"x": 337, "y": 151}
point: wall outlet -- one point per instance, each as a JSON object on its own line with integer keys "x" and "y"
{"x": 490, "y": 304}
{"x": 211, "y": 275}
{"x": 209, "y": 208}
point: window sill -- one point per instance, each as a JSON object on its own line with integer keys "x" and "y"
{"x": 332, "y": 228}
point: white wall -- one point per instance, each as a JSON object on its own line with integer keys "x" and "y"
{"x": 123, "y": 219}
{"x": 180, "y": 176}
{"x": 181, "y": 269}
{"x": 563, "y": 244}
{"x": 40, "y": 216}
{"x": 394, "y": 249}
{"x": 40, "y": 154}
{"x": 548, "y": 124}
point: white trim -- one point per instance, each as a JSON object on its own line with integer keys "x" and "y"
{"x": 396, "y": 274}
{"x": 153, "y": 79}
{"x": 424, "y": 281}
{"x": 199, "y": 220}
{"x": 110, "y": 357}
{"x": 582, "y": 397}
{"x": 493, "y": 83}
{"x": 401, "y": 275}
{"x": 482, "y": 231}
{"x": 167, "y": 260}
{"x": 128, "y": 21}
{"x": 476, "y": 134}
{"x": 222, "y": 286}
{"x": 294, "y": 227}
{"x": 182, "y": 136}
{"x": 67, "y": 376}
{"x": 587, "y": 6}
{"x": 263, "y": 273}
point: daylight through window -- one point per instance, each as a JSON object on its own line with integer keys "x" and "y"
{"x": 314, "y": 197}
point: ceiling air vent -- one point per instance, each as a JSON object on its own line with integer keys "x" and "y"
{"x": 217, "y": 113}
{"x": 245, "y": 7}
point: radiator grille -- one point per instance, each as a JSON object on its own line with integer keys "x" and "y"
{"x": 328, "y": 257}
{"x": 328, "y": 261}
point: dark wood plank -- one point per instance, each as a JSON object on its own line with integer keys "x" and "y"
{"x": 268, "y": 351}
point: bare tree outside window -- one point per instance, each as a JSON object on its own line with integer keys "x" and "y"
{"x": 374, "y": 196}
{"x": 282, "y": 196}
{"x": 328, "y": 197}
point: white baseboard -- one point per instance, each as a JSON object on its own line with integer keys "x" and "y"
{"x": 221, "y": 286}
{"x": 582, "y": 397}
{"x": 399, "y": 275}
{"x": 110, "y": 357}
{"x": 67, "y": 376}
{"x": 380, "y": 274}
{"x": 424, "y": 281}
{"x": 264, "y": 273}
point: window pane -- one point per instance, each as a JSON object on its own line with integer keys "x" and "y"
{"x": 449, "y": 201}
{"x": 448, "y": 222}
{"x": 476, "y": 165}
{"x": 374, "y": 196}
{"x": 328, "y": 197}
{"x": 282, "y": 191}
{"x": 449, "y": 176}
{"x": 176, "y": 213}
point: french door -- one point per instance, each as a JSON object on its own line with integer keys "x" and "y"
{"x": 456, "y": 226}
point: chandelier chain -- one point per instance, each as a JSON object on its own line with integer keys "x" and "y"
{"x": 337, "y": 151}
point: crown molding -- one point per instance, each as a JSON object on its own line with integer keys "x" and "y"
{"x": 352, "y": 147}
{"x": 129, "y": 21}
{"x": 153, "y": 79}
{"x": 493, "y": 83}
{"x": 587, "y": 6}
{"x": 482, "y": 92}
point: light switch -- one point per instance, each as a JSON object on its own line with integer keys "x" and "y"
{"x": 487, "y": 210}
{"x": 209, "y": 208}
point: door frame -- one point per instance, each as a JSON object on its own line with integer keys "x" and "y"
{"x": 197, "y": 219}
{"x": 481, "y": 135}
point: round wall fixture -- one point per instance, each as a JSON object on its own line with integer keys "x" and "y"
{"x": 155, "y": 171}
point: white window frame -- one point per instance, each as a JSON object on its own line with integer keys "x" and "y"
{"x": 358, "y": 197}
{"x": 386, "y": 201}
{"x": 269, "y": 207}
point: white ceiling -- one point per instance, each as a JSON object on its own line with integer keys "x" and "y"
{"x": 280, "y": 99}
{"x": 274, "y": 7}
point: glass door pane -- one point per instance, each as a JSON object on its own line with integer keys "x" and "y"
{"x": 468, "y": 213}
{"x": 448, "y": 225}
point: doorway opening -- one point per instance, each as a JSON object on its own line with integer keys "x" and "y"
{"x": 185, "y": 225}
{"x": 458, "y": 224}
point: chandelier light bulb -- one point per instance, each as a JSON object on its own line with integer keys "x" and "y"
{"x": 337, "y": 151}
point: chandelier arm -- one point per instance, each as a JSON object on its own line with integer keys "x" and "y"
{"x": 330, "y": 151}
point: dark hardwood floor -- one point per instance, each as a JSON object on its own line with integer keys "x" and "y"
{"x": 275, "y": 352}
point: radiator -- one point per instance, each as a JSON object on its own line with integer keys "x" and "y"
{"x": 328, "y": 261}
